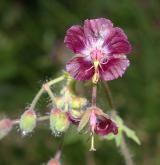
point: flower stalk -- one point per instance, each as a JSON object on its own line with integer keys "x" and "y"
{"x": 94, "y": 98}
{"x": 94, "y": 95}
{"x": 43, "y": 89}
{"x": 123, "y": 146}
{"x": 92, "y": 148}
{"x": 39, "y": 119}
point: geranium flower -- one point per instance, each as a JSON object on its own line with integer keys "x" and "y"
{"x": 99, "y": 122}
{"x": 100, "y": 50}
{"x": 105, "y": 126}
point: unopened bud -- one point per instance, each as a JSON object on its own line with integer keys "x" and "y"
{"x": 5, "y": 127}
{"x": 59, "y": 121}
{"x": 28, "y": 121}
{"x": 53, "y": 162}
{"x": 59, "y": 102}
{"x": 78, "y": 102}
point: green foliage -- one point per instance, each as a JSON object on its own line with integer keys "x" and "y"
{"x": 84, "y": 120}
{"x": 131, "y": 134}
{"x": 121, "y": 130}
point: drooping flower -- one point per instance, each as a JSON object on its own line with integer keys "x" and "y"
{"x": 105, "y": 126}
{"x": 100, "y": 50}
{"x": 99, "y": 122}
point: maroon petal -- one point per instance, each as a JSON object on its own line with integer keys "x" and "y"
{"x": 80, "y": 68}
{"x": 96, "y": 29}
{"x": 114, "y": 68}
{"x": 75, "y": 39}
{"x": 117, "y": 43}
{"x": 73, "y": 119}
{"x": 106, "y": 126}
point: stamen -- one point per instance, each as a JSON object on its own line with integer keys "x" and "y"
{"x": 104, "y": 62}
{"x": 96, "y": 64}
{"x": 89, "y": 69}
{"x": 92, "y": 148}
{"x": 101, "y": 67}
{"x": 95, "y": 77}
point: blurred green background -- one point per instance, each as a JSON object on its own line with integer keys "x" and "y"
{"x": 32, "y": 51}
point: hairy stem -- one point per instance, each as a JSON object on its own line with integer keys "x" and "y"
{"x": 51, "y": 95}
{"x": 42, "y": 90}
{"x": 90, "y": 158}
{"x": 94, "y": 95}
{"x": 125, "y": 151}
{"x": 123, "y": 146}
{"x": 36, "y": 98}
{"x": 58, "y": 155}
{"x": 39, "y": 119}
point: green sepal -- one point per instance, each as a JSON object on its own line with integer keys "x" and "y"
{"x": 131, "y": 134}
{"x": 28, "y": 121}
{"x": 84, "y": 120}
{"x": 58, "y": 121}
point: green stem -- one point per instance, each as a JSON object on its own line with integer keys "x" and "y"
{"x": 123, "y": 146}
{"x": 50, "y": 93}
{"x": 36, "y": 98}
{"x": 90, "y": 158}
{"x": 42, "y": 90}
{"x": 39, "y": 119}
{"x": 57, "y": 80}
{"x": 94, "y": 95}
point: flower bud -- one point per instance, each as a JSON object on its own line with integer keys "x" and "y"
{"x": 53, "y": 162}
{"x": 5, "y": 127}
{"x": 59, "y": 102}
{"x": 28, "y": 121}
{"x": 59, "y": 121}
{"x": 78, "y": 102}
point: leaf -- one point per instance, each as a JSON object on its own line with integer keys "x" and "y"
{"x": 119, "y": 121}
{"x": 84, "y": 120}
{"x": 122, "y": 128}
{"x": 118, "y": 139}
{"x": 131, "y": 134}
{"x": 111, "y": 136}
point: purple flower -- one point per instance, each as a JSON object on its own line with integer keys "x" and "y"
{"x": 100, "y": 50}
{"x": 73, "y": 119}
{"x": 98, "y": 122}
{"x": 101, "y": 124}
{"x": 105, "y": 126}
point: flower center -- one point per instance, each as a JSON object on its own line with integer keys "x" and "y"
{"x": 97, "y": 54}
